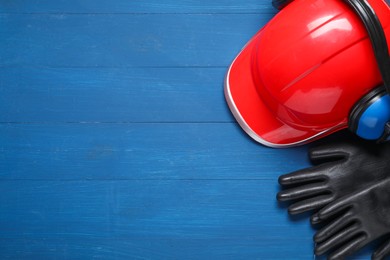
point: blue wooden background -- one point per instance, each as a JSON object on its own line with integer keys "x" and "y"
{"x": 116, "y": 142}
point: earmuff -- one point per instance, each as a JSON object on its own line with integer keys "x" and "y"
{"x": 370, "y": 116}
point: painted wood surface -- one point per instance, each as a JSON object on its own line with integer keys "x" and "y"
{"x": 116, "y": 142}
{"x": 124, "y": 40}
{"x": 113, "y": 95}
{"x": 136, "y": 6}
{"x": 153, "y": 151}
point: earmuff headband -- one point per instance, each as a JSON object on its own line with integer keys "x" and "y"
{"x": 377, "y": 37}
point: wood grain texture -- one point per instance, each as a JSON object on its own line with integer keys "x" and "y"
{"x": 125, "y": 40}
{"x": 135, "y": 6}
{"x": 139, "y": 151}
{"x": 116, "y": 142}
{"x": 194, "y": 219}
{"x": 117, "y": 94}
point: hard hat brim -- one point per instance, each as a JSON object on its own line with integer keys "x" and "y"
{"x": 252, "y": 113}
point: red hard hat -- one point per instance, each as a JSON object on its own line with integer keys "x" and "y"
{"x": 298, "y": 78}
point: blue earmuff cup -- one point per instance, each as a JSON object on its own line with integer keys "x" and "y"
{"x": 372, "y": 121}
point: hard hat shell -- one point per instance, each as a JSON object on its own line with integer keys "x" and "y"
{"x": 298, "y": 78}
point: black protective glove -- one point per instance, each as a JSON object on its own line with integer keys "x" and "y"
{"x": 342, "y": 168}
{"x": 358, "y": 219}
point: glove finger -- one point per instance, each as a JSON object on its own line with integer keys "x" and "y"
{"x": 309, "y": 204}
{"x": 308, "y": 190}
{"x": 311, "y": 174}
{"x": 326, "y": 232}
{"x": 382, "y": 251}
{"x": 338, "y": 239}
{"x": 329, "y": 152}
{"x": 350, "y": 248}
{"x": 332, "y": 209}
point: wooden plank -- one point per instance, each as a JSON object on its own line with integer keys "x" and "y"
{"x": 139, "y": 151}
{"x": 127, "y": 40}
{"x": 148, "y": 219}
{"x": 113, "y": 95}
{"x": 85, "y": 247}
{"x": 136, "y": 6}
